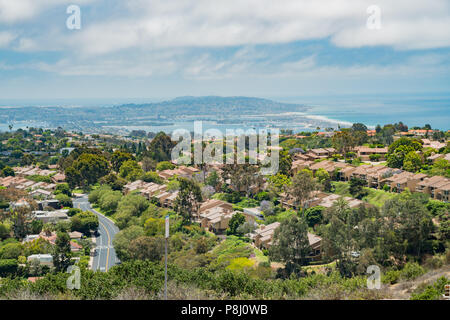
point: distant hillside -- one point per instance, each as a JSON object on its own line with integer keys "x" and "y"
{"x": 211, "y": 105}
{"x": 182, "y": 106}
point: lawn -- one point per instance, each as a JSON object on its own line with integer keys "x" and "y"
{"x": 375, "y": 197}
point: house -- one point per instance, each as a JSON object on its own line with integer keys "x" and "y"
{"x": 326, "y": 134}
{"x": 443, "y": 192}
{"x": 19, "y": 204}
{"x": 264, "y": 234}
{"x": 327, "y": 200}
{"x": 316, "y": 247}
{"x": 365, "y": 152}
{"x": 252, "y": 214}
{"x": 59, "y": 178}
{"x": 44, "y": 259}
{"x": 263, "y": 238}
{"x": 346, "y": 173}
{"x": 75, "y": 235}
{"x": 40, "y": 193}
{"x": 74, "y": 246}
{"x": 320, "y": 153}
{"x": 51, "y": 216}
{"x": 427, "y": 143}
{"x": 216, "y": 219}
{"x": 431, "y": 185}
{"x": 212, "y": 203}
{"x": 182, "y": 171}
{"x": 420, "y": 132}
{"x": 30, "y": 237}
{"x": 52, "y": 203}
{"x": 400, "y": 181}
{"x": 298, "y": 165}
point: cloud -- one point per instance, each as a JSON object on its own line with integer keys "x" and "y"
{"x": 203, "y": 23}
{"x": 157, "y": 24}
{"x": 13, "y": 11}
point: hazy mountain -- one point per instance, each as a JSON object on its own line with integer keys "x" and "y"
{"x": 209, "y": 107}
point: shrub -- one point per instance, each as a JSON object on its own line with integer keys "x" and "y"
{"x": 64, "y": 200}
{"x": 391, "y": 277}
{"x": 431, "y": 292}
{"x": 151, "y": 176}
{"x": 8, "y": 267}
{"x": 164, "y": 165}
{"x": 411, "y": 271}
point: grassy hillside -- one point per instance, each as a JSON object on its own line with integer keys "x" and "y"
{"x": 375, "y": 197}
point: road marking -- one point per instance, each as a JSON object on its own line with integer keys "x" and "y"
{"x": 109, "y": 240}
{"x": 109, "y": 244}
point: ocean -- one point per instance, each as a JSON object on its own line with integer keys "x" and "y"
{"x": 412, "y": 110}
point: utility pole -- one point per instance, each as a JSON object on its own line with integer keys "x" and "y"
{"x": 165, "y": 264}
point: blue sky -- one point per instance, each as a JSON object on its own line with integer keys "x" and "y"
{"x": 161, "y": 49}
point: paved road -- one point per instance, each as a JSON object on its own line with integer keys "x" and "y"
{"x": 105, "y": 256}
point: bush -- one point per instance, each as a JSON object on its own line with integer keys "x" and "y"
{"x": 151, "y": 176}
{"x": 411, "y": 271}
{"x": 391, "y": 277}
{"x": 64, "y": 200}
{"x": 84, "y": 222}
{"x": 8, "y": 267}
{"x": 164, "y": 165}
{"x": 314, "y": 215}
{"x": 63, "y": 188}
{"x": 431, "y": 292}
{"x": 263, "y": 195}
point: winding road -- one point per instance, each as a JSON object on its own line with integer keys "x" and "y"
{"x": 105, "y": 255}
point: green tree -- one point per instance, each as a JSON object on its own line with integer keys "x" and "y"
{"x": 84, "y": 222}
{"x": 340, "y": 237}
{"x": 118, "y": 158}
{"x": 147, "y": 248}
{"x": 130, "y": 170}
{"x": 213, "y": 180}
{"x": 188, "y": 199}
{"x": 411, "y": 220}
{"x": 343, "y": 142}
{"x": 235, "y": 222}
{"x": 302, "y": 187}
{"x": 412, "y": 162}
{"x": 123, "y": 239}
{"x": 86, "y": 170}
{"x": 314, "y": 215}
{"x": 8, "y": 171}
{"x": 63, "y": 188}
{"x": 61, "y": 252}
{"x": 160, "y": 147}
{"x": 154, "y": 226}
{"x": 291, "y": 244}
{"x": 64, "y": 200}
{"x": 357, "y": 188}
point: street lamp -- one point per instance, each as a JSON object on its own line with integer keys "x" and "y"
{"x": 165, "y": 264}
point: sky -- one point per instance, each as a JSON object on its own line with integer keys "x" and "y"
{"x": 267, "y": 48}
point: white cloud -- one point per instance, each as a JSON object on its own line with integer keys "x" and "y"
{"x": 12, "y": 11}
{"x": 204, "y": 23}
{"x": 156, "y": 24}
